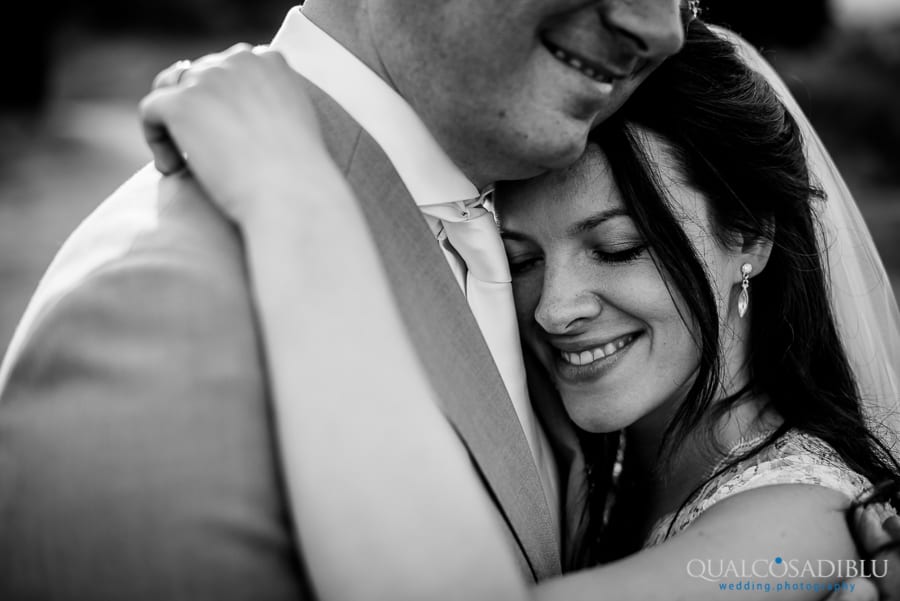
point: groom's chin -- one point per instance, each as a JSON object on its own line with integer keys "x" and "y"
{"x": 561, "y": 152}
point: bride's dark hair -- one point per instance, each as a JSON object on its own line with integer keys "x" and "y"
{"x": 734, "y": 141}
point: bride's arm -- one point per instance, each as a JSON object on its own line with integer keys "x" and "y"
{"x": 386, "y": 501}
{"x": 735, "y": 541}
{"x": 383, "y": 494}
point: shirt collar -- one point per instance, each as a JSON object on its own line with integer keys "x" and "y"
{"x": 426, "y": 170}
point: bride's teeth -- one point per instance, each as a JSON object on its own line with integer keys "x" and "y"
{"x": 575, "y": 63}
{"x": 560, "y": 55}
{"x": 586, "y": 357}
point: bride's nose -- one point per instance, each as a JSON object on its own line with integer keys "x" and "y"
{"x": 567, "y": 303}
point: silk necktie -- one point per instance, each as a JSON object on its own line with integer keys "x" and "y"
{"x": 471, "y": 231}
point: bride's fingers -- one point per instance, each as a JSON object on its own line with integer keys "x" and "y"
{"x": 890, "y": 553}
{"x": 857, "y": 589}
{"x": 245, "y": 98}
{"x": 870, "y": 534}
{"x": 892, "y": 526}
{"x": 890, "y": 542}
{"x": 877, "y": 532}
{"x": 175, "y": 73}
{"x": 156, "y": 108}
{"x": 171, "y": 76}
{"x": 156, "y": 112}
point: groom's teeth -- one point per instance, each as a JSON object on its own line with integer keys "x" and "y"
{"x": 601, "y": 352}
{"x": 578, "y": 64}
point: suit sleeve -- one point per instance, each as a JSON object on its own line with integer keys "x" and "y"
{"x": 136, "y": 451}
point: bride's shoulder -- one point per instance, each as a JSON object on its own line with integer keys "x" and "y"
{"x": 794, "y": 458}
{"x": 811, "y": 460}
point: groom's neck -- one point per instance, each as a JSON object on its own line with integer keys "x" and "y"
{"x": 347, "y": 21}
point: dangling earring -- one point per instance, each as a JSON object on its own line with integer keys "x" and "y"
{"x": 744, "y": 298}
{"x": 694, "y": 7}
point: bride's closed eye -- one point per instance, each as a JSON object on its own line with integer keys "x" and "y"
{"x": 614, "y": 240}
{"x": 522, "y": 253}
{"x": 520, "y": 263}
{"x": 606, "y": 254}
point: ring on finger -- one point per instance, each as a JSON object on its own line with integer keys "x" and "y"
{"x": 181, "y": 67}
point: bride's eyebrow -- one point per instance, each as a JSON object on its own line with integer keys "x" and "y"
{"x": 579, "y": 227}
{"x": 589, "y": 223}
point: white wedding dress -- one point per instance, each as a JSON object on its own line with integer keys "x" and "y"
{"x": 795, "y": 458}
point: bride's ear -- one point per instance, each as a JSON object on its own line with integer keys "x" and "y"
{"x": 756, "y": 251}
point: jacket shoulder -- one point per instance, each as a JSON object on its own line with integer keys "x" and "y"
{"x": 135, "y": 439}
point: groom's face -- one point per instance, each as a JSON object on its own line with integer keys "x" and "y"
{"x": 511, "y": 87}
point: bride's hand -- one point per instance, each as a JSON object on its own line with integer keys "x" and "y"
{"x": 879, "y": 538}
{"x": 242, "y": 121}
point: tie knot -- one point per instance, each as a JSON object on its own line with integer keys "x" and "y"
{"x": 470, "y": 228}
{"x": 467, "y": 210}
{"x": 459, "y": 211}
{"x": 477, "y": 241}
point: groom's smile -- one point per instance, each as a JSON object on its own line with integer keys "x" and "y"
{"x": 581, "y": 64}
{"x": 576, "y": 39}
{"x": 511, "y": 88}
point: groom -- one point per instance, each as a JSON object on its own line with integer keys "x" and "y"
{"x": 137, "y": 455}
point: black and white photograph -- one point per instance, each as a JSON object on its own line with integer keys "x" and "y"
{"x": 408, "y": 300}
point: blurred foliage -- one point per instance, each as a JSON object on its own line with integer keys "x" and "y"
{"x": 846, "y": 80}
{"x": 849, "y": 86}
{"x": 32, "y": 26}
{"x": 794, "y": 23}
{"x": 192, "y": 16}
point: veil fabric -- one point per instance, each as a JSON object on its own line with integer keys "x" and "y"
{"x": 863, "y": 301}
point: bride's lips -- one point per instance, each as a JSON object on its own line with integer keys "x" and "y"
{"x": 588, "y": 361}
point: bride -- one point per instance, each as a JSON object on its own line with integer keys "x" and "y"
{"x": 673, "y": 299}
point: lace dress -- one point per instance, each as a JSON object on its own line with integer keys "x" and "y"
{"x": 795, "y": 458}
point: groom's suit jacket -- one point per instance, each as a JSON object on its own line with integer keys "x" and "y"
{"x": 138, "y": 458}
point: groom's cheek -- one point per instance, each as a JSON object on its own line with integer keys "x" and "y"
{"x": 620, "y": 96}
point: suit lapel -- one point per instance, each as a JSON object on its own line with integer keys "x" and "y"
{"x": 569, "y": 459}
{"x": 447, "y": 339}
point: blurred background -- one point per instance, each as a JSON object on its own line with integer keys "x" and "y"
{"x": 76, "y": 69}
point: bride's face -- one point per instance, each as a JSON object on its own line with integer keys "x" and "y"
{"x": 591, "y": 303}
